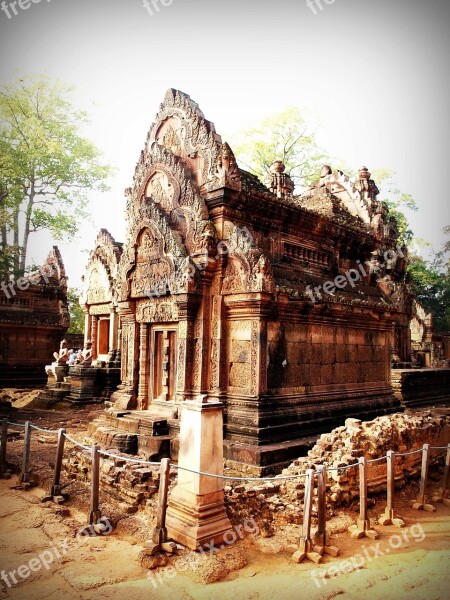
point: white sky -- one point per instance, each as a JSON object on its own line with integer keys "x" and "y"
{"x": 375, "y": 73}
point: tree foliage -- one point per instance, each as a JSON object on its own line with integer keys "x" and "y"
{"x": 75, "y": 311}
{"x": 431, "y": 281}
{"x": 397, "y": 202}
{"x": 46, "y": 166}
{"x": 287, "y": 136}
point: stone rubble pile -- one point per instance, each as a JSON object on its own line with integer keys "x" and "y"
{"x": 130, "y": 487}
{"x": 274, "y": 505}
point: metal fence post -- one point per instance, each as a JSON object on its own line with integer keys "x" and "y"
{"x": 421, "y": 501}
{"x": 362, "y": 527}
{"x": 94, "y": 513}
{"x": 321, "y": 537}
{"x": 159, "y": 535}
{"x": 24, "y": 476}
{"x": 96, "y": 523}
{"x": 55, "y": 491}
{"x": 306, "y": 547}
{"x": 3, "y": 466}
{"x": 389, "y": 518}
{"x": 444, "y": 493}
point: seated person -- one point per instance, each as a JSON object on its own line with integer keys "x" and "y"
{"x": 72, "y": 357}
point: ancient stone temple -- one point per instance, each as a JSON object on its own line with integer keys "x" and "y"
{"x": 287, "y": 309}
{"x": 100, "y": 298}
{"x": 33, "y": 319}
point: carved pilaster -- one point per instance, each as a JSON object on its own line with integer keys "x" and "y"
{"x": 143, "y": 367}
{"x": 218, "y": 348}
{"x": 254, "y": 363}
{"x": 94, "y": 328}
{"x": 262, "y": 359}
{"x": 202, "y": 341}
{"x": 187, "y": 307}
{"x": 87, "y": 327}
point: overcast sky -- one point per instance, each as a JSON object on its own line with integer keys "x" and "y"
{"x": 374, "y": 71}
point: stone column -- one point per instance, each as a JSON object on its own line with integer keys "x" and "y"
{"x": 94, "y": 329}
{"x": 196, "y": 513}
{"x": 87, "y": 327}
{"x": 112, "y": 331}
{"x": 143, "y": 367}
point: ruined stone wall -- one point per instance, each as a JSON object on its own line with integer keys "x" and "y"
{"x": 129, "y": 487}
{"x": 273, "y": 504}
{"x": 421, "y": 387}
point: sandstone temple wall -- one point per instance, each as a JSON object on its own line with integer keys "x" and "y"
{"x": 34, "y": 317}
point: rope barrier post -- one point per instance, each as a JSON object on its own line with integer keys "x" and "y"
{"x": 321, "y": 537}
{"x": 389, "y": 518}
{"x": 3, "y": 466}
{"x": 55, "y": 492}
{"x": 159, "y": 540}
{"x": 306, "y": 547}
{"x": 96, "y": 523}
{"x": 362, "y": 527}
{"x": 421, "y": 501}
{"x": 444, "y": 493}
{"x": 24, "y": 478}
{"x": 95, "y": 514}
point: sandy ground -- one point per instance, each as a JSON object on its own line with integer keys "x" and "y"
{"x": 414, "y": 565}
{"x": 411, "y": 563}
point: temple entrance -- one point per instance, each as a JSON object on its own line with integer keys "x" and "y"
{"x": 163, "y": 363}
{"x": 103, "y": 337}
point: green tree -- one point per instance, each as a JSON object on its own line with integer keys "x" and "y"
{"x": 75, "y": 311}
{"x": 287, "y": 136}
{"x": 431, "y": 280}
{"x": 397, "y": 202}
{"x": 46, "y": 166}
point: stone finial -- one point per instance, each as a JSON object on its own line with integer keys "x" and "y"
{"x": 278, "y": 181}
{"x": 277, "y": 167}
{"x": 364, "y": 173}
{"x": 366, "y": 186}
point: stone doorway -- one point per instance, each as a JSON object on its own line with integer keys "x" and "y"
{"x": 163, "y": 363}
{"x": 103, "y": 337}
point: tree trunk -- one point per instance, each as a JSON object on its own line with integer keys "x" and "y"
{"x": 26, "y": 231}
{"x": 3, "y": 231}
{"x": 16, "y": 255}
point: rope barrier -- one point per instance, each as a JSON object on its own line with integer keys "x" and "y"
{"x": 374, "y": 460}
{"x": 134, "y": 460}
{"x": 275, "y": 478}
{"x": 344, "y": 467}
{"x": 227, "y": 477}
{"x": 76, "y": 443}
{"x": 408, "y": 453}
{"x": 50, "y": 431}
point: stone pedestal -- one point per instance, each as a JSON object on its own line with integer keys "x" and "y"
{"x": 82, "y": 384}
{"x": 56, "y": 373}
{"x": 196, "y": 513}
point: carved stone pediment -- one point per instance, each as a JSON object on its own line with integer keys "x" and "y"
{"x": 153, "y": 270}
{"x": 182, "y": 129}
{"x": 98, "y": 285}
{"x": 225, "y": 171}
{"x": 159, "y": 310}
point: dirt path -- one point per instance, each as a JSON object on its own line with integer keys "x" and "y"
{"x": 415, "y": 562}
